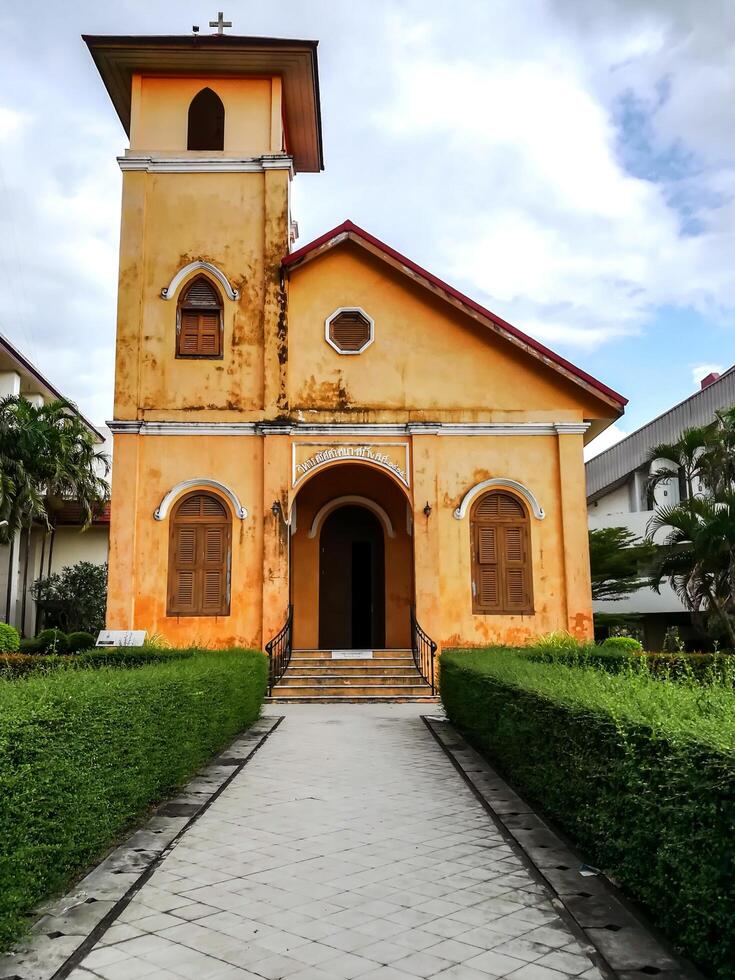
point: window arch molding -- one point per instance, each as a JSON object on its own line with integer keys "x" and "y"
{"x": 161, "y": 512}
{"x": 500, "y": 483}
{"x": 168, "y": 292}
{"x": 199, "y": 556}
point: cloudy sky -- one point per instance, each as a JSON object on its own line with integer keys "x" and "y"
{"x": 569, "y": 164}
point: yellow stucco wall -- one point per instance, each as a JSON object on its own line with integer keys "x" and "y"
{"x": 146, "y": 468}
{"x": 160, "y": 107}
{"x": 429, "y": 362}
{"x": 427, "y": 359}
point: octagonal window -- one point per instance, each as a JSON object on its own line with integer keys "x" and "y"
{"x": 349, "y": 330}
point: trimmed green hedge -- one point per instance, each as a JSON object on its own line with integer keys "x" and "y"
{"x": 640, "y": 772}
{"x": 21, "y": 664}
{"x": 84, "y": 754}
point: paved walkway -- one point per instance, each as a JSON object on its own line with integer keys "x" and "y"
{"x": 349, "y": 846}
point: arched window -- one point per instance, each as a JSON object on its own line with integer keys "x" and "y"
{"x": 199, "y": 557}
{"x": 501, "y": 555}
{"x": 199, "y": 326}
{"x": 206, "y": 122}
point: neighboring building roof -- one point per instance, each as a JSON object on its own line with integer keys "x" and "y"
{"x": 71, "y": 513}
{"x": 118, "y": 58}
{"x": 33, "y": 382}
{"x": 348, "y": 231}
{"x": 614, "y": 465}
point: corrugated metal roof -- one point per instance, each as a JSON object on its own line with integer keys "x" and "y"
{"x": 614, "y": 464}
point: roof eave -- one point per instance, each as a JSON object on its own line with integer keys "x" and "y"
{"x": 117, "y": 57}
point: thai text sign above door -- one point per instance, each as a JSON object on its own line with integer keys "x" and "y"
{"x": 391, "y": 456}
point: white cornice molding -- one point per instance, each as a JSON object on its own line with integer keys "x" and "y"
{"x": 168, "y": 292}
{"x": 143, "y": 428}
{"x": 152, "y": 164}
{"x": 163, "y": 508}
{"x": 324, "y": 512}
{"x": 500, "y": 483}
{"x": 352, "y": 429}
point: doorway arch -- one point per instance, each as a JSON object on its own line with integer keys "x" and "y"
{"x": 351, "y": 560}
{"x": 351, "y": 580}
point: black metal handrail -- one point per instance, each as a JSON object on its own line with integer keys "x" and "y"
{"x": 424, "y": 652}
{"x": 279, "y": 651}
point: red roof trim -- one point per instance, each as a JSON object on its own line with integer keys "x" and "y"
{"x": 349, "y": 228}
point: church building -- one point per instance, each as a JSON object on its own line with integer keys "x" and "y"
{"x": 327, "y": 436}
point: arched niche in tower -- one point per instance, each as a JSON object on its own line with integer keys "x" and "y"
{"x": 206, "y": 129}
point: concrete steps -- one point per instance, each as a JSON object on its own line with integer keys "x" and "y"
{"x": 314, "y": 676}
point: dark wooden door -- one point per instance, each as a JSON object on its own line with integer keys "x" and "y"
{"x": 351, "y": 581}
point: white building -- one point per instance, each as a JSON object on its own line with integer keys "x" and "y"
{"x": 618, "y": 495}
{"x": 39, "y": 553}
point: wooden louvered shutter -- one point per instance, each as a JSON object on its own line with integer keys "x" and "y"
{"x": 199, "y": 558}
{"x": 200, "y": 322}
{"x": 184, "y": 587}
{"x": 501, "y": 562}
{"x": 515, "y": 562}
{"x": 214, "y": 577}
{"x": 487, "y": 579}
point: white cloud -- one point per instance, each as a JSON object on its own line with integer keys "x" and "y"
{"x": 552, "y": 229}
{"x": 700, "y": 371}
{"x": 605, "y": 439}
{"x": 486, "y": 140}
{"x": 10, "y": 122}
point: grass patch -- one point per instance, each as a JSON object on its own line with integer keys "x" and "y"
{"x": 84, "y": 754}
{"x": 640, "y": 771}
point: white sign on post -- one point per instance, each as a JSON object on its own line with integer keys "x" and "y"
{"x": 121, "y": 638}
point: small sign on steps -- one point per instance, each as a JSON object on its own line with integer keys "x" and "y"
{"x": 352, "y": 654}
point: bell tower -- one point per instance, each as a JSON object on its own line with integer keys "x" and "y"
{"x": 218, "y": 126}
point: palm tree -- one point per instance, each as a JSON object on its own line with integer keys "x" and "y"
{"x": 47, "y": 455}
{"x": 688, "y": 455}
{"x": 698, "y": 556}
{"x": 717, "y": 464}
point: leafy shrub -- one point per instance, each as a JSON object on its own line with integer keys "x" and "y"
{"x": 625, "y": 644}
{"x": 75, "y": 598}
{"x": 673, "y": 643}
{"x": 560, "y": 641}
{"x": 592, "y": 657}
{"x": 84, "y": 753}
{"x": 9, "y": 638}
{"x": 79, "y": 641}
{"x": 641, "y": 773}
{"x": 30, "y": 645}
{"x": 52, "y": 641}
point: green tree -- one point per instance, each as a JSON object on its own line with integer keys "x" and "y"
{"x": 617, "y": 557}
{"x": 717, "y": 465}
{"x": 698, "y": 556}
{"x": 47, "y": 454}
{"x": 688, "y": 456}
{"x": 73, "y": 599}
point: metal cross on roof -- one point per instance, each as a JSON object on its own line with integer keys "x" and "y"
{"x": 220, "y": 24}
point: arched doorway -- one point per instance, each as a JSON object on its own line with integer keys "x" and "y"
{"x": 351, "y": 580}
{"x": 351, "y": 560}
